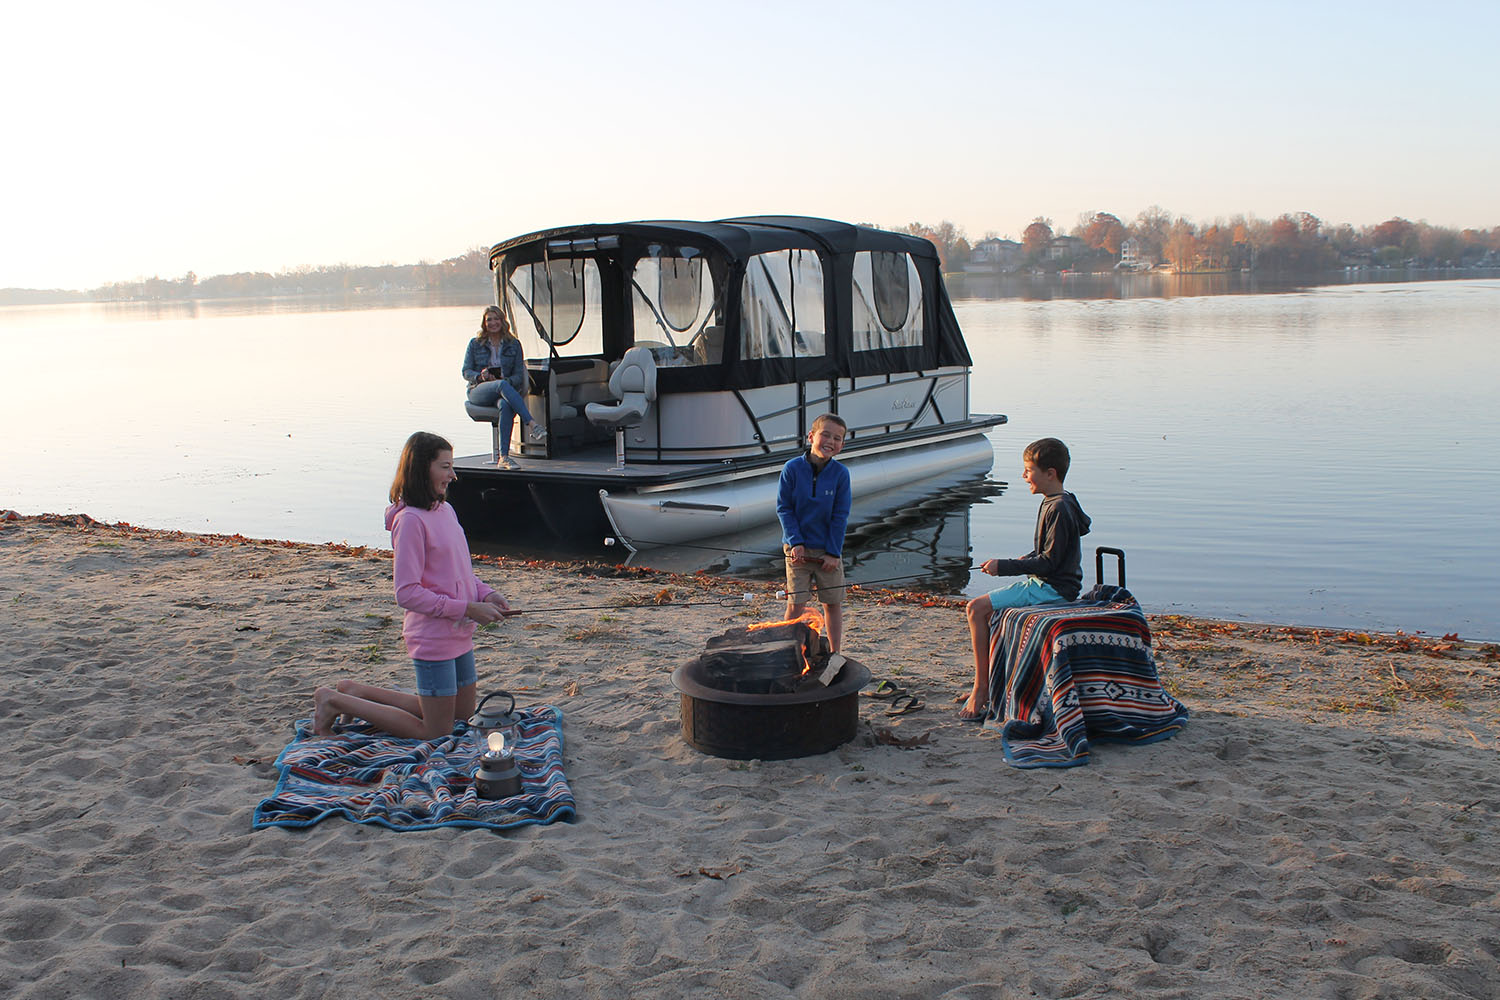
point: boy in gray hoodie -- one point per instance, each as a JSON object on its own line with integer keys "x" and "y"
{"x": 1053, "y": 569}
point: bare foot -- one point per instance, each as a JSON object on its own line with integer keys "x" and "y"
{"x": 973, "y": 710}
{"x": 324, "y": 714}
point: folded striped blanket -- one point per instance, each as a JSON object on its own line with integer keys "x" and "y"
{"x": 369, "y": 777}
{"x": 1061, "y": 674}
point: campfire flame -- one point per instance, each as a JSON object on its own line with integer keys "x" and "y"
{"x": 811, "y": 618}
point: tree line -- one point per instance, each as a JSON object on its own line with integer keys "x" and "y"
{"x": 1297, "y": 243}
{"x": 467, "y": 272}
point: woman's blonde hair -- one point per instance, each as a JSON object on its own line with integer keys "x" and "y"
{"x": 506, "y": 333}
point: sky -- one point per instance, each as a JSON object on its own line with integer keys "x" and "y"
{"x": 157, "y": 138}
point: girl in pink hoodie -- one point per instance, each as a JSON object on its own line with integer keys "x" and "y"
{"x": 444, "y": 603}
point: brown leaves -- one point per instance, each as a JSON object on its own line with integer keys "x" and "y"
{"x": 886, "y": 737}
{"x": 920, "y": 598}
{"x": 661, "y": 598}
{"x": 721, "y": 873}
{"x": 1400, "y": 642}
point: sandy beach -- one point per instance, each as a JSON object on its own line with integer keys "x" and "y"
{"x": 1325, "y": 826}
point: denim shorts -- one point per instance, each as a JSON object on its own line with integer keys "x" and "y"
{"x": 443, "y": 678}
{"x": 1023, "y": 594}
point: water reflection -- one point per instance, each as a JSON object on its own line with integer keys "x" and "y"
{"x": 1048, "y": 287}
{"x": 275, "y": 305}
{"x": 916, "y": 537}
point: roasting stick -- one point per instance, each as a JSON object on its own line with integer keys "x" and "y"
{"x": 722, "y": 602}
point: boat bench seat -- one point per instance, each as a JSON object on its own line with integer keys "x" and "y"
{"x": 568, "y": 391}
{"x": 562, "y": 391}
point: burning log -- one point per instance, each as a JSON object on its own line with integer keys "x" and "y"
{"x": 770, "y": 657}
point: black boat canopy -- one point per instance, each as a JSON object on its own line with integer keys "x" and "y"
{"x": 732, "y": 304}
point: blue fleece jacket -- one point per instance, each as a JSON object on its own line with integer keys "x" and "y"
{"x": 814, "y": 505}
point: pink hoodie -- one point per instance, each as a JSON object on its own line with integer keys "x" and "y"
{"x": 435, "y": 580}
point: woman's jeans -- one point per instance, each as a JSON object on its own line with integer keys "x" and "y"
{"x": 511, "y": 404}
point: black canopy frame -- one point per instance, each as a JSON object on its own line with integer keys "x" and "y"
{"x": 728, "y": 246}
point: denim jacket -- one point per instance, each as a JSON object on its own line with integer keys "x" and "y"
{"x": 512, "y": 361}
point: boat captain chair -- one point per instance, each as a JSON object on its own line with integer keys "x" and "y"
{"x": 634, "y": 383}
{"x": 487, "y": 415}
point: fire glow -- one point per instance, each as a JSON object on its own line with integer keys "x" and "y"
{"x": 811, "y": 618}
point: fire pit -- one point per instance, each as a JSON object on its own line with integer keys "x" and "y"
{"x": 759, "y": 693}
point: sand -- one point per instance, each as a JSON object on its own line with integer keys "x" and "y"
{"x": 1324, "y": 827}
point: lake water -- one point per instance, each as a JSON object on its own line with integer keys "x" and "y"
{"x": 1325, "y": 456}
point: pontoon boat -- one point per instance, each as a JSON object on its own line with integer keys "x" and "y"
{"x": 677, "y": 365}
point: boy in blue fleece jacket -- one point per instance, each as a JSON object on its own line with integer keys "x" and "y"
{"x": 812, "y": 502}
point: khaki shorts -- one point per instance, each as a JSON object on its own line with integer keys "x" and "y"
{"x": 801, "y": 576}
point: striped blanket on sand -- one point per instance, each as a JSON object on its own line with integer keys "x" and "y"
{"x": 1061, "y": 674}
{"x": 369, "y": 777}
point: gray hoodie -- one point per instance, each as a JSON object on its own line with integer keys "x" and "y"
{"x": 1057, "y": 554}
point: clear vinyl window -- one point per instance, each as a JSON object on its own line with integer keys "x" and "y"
{"x": 676, "y": 307}
{"x": 557, "y": 302}
{"x": 781, "y": 306}
{"x": 887, "y": 301}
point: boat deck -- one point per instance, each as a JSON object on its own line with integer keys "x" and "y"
{"x": 594, "y": 465}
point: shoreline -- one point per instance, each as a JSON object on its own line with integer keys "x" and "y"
{"x": 1416, "y": 639}
{"x": 1323, "y": 826}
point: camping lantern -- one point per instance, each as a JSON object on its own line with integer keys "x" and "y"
{"x": 482, "y": 723}
{"x": 497, "y": 777}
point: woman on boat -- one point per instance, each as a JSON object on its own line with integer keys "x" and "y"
{"x": 495, "y": 368}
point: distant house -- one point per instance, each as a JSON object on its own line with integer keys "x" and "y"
{"x": 996, "y": 255}
{"x": 1066, "y": 248}
{"x": 1130, "y": 256}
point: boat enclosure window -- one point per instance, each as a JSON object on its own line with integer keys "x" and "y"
{"x": 675, "y": 308}
{"x": 781, "y": 306}
{"x": 887, "y": 301}
{"x": 555, "y": 303}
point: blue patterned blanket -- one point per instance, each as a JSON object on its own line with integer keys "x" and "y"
{"x": 1061, "y": 674}
{"x": 369, "y": 777}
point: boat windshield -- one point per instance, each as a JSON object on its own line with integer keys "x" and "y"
{"x": 557, "y": 302}
{"x": 676, "y": 306}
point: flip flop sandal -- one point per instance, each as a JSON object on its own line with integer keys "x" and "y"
{"x": 905, "y": 703}
{"x": 885, "y": 689}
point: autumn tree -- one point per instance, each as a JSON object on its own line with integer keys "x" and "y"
{"x": 1150, "y": 230}
{"x": 1181, "y": 245}
{"x": 1036, "y": 237}
{"x": 1104, "y": 232}
{"x": 1396, "y": 232}
{"x": 1437, "y": 244}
